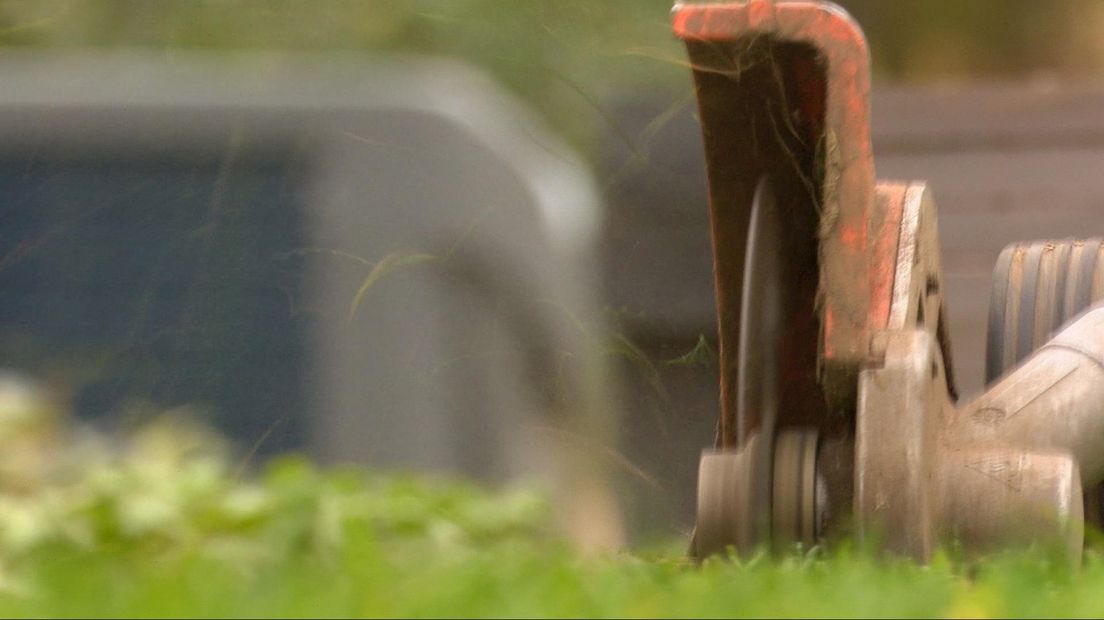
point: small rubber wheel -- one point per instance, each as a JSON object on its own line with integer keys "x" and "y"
{"x": 795, "y": 505}
{"x": 1038, "y": 287}
{"x": 733, "y": 510}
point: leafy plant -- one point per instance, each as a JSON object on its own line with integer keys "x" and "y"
{"x": 161, "y": 522}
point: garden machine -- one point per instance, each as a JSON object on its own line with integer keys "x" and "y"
{"x": 839, "y": 413}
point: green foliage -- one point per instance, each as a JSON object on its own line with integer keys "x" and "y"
{"x": 566, "y": 57}
{"x": 163, "y": 521}
{"x": 163, "y": 524}
{"x": 569, "y": 58}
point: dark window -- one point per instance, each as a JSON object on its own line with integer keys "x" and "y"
{"x": 136, "y": 283}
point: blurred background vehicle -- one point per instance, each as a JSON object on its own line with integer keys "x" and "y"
{"x": 385, "y": 261}
{"x": 260, "y": 212}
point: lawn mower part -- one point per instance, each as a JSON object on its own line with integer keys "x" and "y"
{"x": 1038, "y": 287}
{"x": 838, "y": 406}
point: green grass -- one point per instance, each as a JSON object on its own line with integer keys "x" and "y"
{"x": 164, "y": 524}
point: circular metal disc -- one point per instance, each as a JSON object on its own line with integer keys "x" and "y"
{"x": 761, "y": 318}
{"x": 794, "y": 501}
{"x": 727, "y": 511}
{"x": 734, "y": 487}
{"x": 761, "y": 333}
{"x": 1037, "y": 287}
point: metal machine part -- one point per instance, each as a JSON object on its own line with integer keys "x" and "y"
{"x": 797, "y": 495}
{"x": 776, "y": 480}
{"x": 733, "y": 495}
{"x": 837, "y": 400}
{"x": 755, "y": 495}
{"x": 1038, "y": 287}
{"x": 762, "y": 330}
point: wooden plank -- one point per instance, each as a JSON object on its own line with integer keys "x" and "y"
{"x": 1005, "y": 164}
{"x": 986, "y": 117}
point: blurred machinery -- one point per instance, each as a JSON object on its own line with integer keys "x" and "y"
{"x": 995, "y": 151}
{"x": 837, "y": 399}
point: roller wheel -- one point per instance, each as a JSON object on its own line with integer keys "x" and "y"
{"x": 1038, "y": 287}
{"x": 755, "y": 496}
{"x": 763, "y": 490}
{"x": 733, "y": 501}
{"x": 798, "y": 496}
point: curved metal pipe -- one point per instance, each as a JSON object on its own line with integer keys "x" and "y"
{"x": 1053, "y": 401}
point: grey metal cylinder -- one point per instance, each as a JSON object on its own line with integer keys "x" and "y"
{"x": 1053, "y": 401}
{"x": 994, "y": 496}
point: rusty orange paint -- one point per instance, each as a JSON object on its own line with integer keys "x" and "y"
{"x": 851, "y": 237}
{"x": 858, "y": 252}
{"x": 891, "y": 207}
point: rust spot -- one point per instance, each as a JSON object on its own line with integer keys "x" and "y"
{"x": 851, "y": 237}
